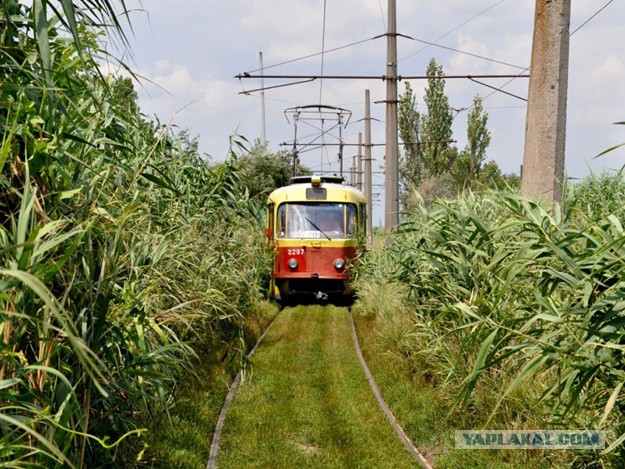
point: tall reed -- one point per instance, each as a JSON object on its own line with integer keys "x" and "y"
{"x": 520, "y": 302}
{"x": 121, "y": 249}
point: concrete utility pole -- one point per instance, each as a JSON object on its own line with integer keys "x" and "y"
{"x": 262, "y": 100}
{"x": 545, "y": 129}
{"x": 352, "y": 172}
{"x": 368, "y": 184}
{"x": 340, "y": 145}
{"x": 391, "y": 182}
{"x": 359, "y": 163}
{"x": 295, "y": 119}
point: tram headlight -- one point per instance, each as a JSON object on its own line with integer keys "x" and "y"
{"x": 293, "y": 263}
{"x": 339, "y": 263}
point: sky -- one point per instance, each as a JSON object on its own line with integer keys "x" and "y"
{"x": 189, "y": 52}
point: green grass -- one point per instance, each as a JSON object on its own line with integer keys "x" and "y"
{"x": 184, "y": 441}
{"x": 307, "y": 402}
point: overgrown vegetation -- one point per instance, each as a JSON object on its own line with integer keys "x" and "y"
{"x": 122, "y": 252}
{"x": 513, "y": 312}
{"x": 263, "y": 171}
{"x": 124, "y": 256}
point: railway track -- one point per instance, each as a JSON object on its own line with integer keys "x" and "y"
{"x": 318, "y": 409}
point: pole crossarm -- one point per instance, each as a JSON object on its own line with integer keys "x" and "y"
{"x": 285, "y": 144}
{"x": 381, "y": 77}
{"x": 309, "y": 78}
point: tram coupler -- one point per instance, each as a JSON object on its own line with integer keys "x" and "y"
{"x": 321, "y": 296}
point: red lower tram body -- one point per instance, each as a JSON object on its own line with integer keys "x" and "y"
{"x": 313, "y": 272}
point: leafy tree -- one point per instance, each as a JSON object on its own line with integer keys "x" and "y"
{"x": 469, "y": 165}
{"x": 263, "y": 171}
{"x": 426, "y": 136}
{"x": 124, "y": 96}
{"x": 432, "y": 164}
{"x": 409, "y": 121}
{"x": 436, "y": 130}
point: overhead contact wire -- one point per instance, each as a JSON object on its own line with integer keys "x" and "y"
{"x": 527, "y": 68}
{"x": 454, "y": 29}
{"x": 323, "y": 48}
{"x": 316, "y": 54}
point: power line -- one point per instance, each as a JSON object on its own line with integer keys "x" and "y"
{"x": 526, "y": 69}
{"x": 590, "y": 19}
{"x": 498, "y": 89}
{"x": 382, "y": 13}
{"x": 323, "y": 48}
{"x": 283, "y": 85}
{"x": 453, "y": 30}
{"x": 316, "y": 54}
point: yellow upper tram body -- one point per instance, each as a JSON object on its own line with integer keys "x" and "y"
{"x": 316, "y": 226}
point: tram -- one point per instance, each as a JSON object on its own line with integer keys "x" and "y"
{"x": 316, "y": 226}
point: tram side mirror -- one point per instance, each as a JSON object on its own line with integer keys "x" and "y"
{"x": 268, "y": 233}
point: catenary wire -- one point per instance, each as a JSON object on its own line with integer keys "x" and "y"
{"x": 501, "y": 62}
{"x": 591, "y": 18}
{"x": 526, "y": 69}
{"x": 297, "y": 59}
{"x": 323, "y": 48}
{"x": 453, "y": 30}
{"x": 383, "y": 17}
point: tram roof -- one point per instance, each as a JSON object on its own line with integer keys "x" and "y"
{"x": 300, "y": 192}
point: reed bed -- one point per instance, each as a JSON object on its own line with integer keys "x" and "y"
{"x": 122, "y": 251}
{"x": 513, "y": 310}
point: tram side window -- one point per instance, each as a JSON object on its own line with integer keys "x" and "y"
{"x": 350, "y": 214}
{"x": 270, "y": 227}
{"x": 281, "y": 228}
{"x": 363, "y": 218}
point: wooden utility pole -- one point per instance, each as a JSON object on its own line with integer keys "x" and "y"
{"x": 368, "y": 184}
{"x": 545, "y": 129}
{"x": 359, "y": 163}
{"x": 391, "y": 182}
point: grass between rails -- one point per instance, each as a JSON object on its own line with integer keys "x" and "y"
{"x": 307, "y": 402}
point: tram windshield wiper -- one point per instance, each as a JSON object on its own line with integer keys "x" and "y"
{"x": 317, "y": 228}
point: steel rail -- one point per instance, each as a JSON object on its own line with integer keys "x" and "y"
{"x": 378, "y": 395}
{"x": 214, "y": 451}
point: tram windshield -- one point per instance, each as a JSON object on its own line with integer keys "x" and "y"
{"x": 316, "y": 220}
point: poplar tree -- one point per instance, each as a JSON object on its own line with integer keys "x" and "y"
{"x": 409, "y": 120}
{"x": 435, "y": 128}
{"x": 469, "y": 166}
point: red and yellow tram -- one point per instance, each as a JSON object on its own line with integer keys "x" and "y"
{"x": 316, "y": 226}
